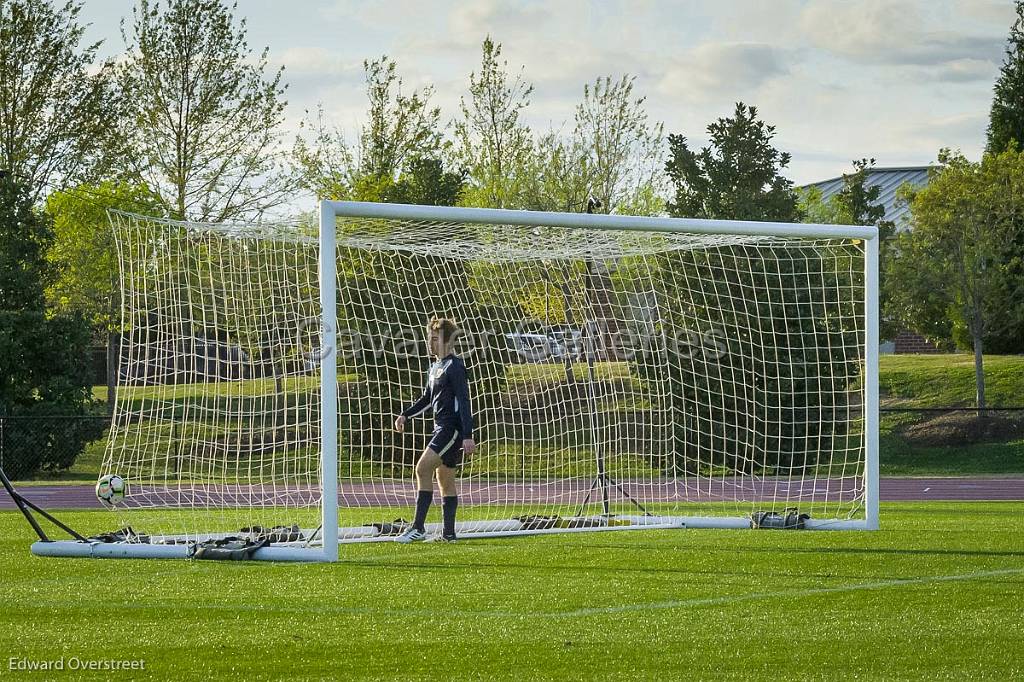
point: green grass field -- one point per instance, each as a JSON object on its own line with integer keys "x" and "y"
{"x": 947, "y": 381}
{"x": 937, "y": 594}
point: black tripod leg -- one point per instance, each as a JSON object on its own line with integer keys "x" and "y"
{"x": 583, "y": 505}
{"x": 52, "y": 519}
{"x": 629, "y": 497}
{"x": 24, "y": 505}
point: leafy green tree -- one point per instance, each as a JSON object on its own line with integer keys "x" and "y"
{"x": 41, "y": 355}
{"x": 623, "y": 149}
{"x": 560, "y": 177}
{"x": 428, "y": 183}
{"x": 58, "y": 112}
{"x": 323, "y": 161}
{"x": 84, "y": 257}
{"x": 737, "y": 177}
{"x": 205, "y": 118}
{"x": 401, "y": 130}
{"x": 493, "y": 144}
{"x": 813, "y": 207}
{"x": 959, "y": 269}
{"x": 613, "y": 154}
{"x": 83, "y": 253}
{"x": 855, "y": 204}
{"x": 1006, "y": 118}
{"x": 400, "y": 127}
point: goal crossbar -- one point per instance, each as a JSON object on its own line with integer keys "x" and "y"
{"x": 593, "y": 221}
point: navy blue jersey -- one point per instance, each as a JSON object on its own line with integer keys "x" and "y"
{"x": 447, "y": 392}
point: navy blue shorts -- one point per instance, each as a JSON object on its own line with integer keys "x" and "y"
{"x": 447, "y": 442}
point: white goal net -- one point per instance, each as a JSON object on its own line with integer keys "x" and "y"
{"x": 624, "y": 373}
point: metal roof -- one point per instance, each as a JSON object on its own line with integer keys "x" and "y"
{"x": 889, "y": 180}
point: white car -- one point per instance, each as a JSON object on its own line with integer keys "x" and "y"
{"x": 556, "y": 345}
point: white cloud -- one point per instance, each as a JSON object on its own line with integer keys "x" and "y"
{"x": 892, "y": 32}
{"x": 965, "y": 71}
{"x": 712, "y": 70}
{"x": 319, "y": 62}
{"x": 471, "y": 21}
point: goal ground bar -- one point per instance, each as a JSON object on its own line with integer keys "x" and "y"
{"x": 469, "y": 530}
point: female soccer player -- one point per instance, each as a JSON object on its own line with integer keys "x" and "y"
{"x": 447, "y": 392}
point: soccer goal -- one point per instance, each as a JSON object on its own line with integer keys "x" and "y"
{"x": 625, "y": 373}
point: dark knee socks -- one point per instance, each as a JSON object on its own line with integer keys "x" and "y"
{"x": 423, "y": 500}
{"x": 448, "y": 507}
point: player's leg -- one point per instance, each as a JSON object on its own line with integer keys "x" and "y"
{"x": 425, "y": 466}
{"x": 451, "y": 457}
{"x": 429, "y": 461}
{"x": 449, "y": 499}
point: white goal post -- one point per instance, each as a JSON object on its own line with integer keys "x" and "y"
{"x": 625, "y": 373}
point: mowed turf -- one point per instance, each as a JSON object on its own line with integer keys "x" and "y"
{"x": 937, "y": 594}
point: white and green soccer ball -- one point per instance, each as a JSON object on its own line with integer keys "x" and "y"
{"x": 110, "y": 489}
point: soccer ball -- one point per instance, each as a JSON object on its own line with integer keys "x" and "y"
{"x": 110, "y": 489}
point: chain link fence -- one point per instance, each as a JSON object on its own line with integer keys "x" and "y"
{"x": 46, "y": 446}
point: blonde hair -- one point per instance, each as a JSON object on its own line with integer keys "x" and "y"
{"x": 444, "y": 327}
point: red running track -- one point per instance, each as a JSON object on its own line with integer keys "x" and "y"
{"x": 892, "y": 490}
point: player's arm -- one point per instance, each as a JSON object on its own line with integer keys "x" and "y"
{"x": 460, "y": 384}
{"x": 414, "y": 410}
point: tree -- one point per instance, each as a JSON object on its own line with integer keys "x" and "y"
{"x": 324, "y": 163}
{"x": 958, "y": 270}
{"x": 57, "y": 109}
{"x": 1006, "y": 118}
{"x": 428, "y": 183}
{"x": 855, "y": 204}
{"x": 560, "y": 177}
{"x": 856, "y": 201}
{"x": 84, "y": 258}
{"x": 494, "y": 145}
{"x": 737, "y": 177}
{"x": 83, "y": 254}
{"x": 400, "y": 127}
{"x": 204, "y": 118}
{"x": 623, "y": 150}
{"x": 813, "y": 207}
{"x": 401, "y": 131}
{"x": 40, "y": 354}
{"x": 613, "y": 154}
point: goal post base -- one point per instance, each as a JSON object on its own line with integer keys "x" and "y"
{"x": 134, "y": 550}
{"x": 286, "y": 552}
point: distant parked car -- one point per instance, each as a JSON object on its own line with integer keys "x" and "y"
{"x": 555, "y": 345}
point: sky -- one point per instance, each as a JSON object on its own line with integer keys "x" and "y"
{"x": 891, "y": 79}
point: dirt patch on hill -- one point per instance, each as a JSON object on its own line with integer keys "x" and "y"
{"x": 964, "y": 428}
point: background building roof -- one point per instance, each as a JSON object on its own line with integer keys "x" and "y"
{"x": 889, "y": 180}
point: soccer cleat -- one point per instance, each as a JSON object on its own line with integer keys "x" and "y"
{"x": 411, "y": 535}
{"x": 443, "y": 538}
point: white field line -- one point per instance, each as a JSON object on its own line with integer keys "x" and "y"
{"x": 575, "y": 613}
{"x": 855, "y": 587}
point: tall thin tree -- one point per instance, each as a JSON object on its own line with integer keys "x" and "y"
{"x": 58, "y": 112}
{"x": 1006, "y": 119}
{"x": 494, "y": 144}
{"x": 205, "y": 115}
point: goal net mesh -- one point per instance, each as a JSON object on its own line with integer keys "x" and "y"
{"x": 616, "y": 377}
